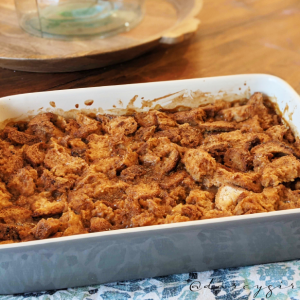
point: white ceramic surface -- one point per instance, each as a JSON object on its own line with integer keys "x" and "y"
{"x": 156, "y": 250}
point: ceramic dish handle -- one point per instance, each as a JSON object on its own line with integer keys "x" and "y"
{"x": 186, "y": 28}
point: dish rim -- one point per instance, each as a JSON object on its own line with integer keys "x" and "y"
{"x": 132, "y": 85}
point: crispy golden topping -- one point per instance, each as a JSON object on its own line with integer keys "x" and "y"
{"x": 62, "y": 177}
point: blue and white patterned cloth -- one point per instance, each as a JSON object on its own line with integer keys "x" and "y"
{"x": 279, "y": 281}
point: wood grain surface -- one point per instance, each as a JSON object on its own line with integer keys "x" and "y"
{"x": 235, "y": 37}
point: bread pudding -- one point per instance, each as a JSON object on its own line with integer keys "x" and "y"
{"x": 61, "y": 177}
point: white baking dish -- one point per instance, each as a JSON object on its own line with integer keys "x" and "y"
{"x": 162, "y": 249}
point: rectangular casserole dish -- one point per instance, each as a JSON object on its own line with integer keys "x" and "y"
{"x": 161, "y": 249}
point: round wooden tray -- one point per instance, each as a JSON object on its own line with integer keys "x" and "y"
{"x": 165, "y": 21}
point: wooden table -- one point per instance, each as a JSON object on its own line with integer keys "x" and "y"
{"x": 235, "y": 37}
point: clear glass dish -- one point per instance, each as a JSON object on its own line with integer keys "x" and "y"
{"x": 67, "y": 19}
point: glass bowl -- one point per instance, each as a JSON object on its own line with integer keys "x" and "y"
{"x": 68, "y": 19}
